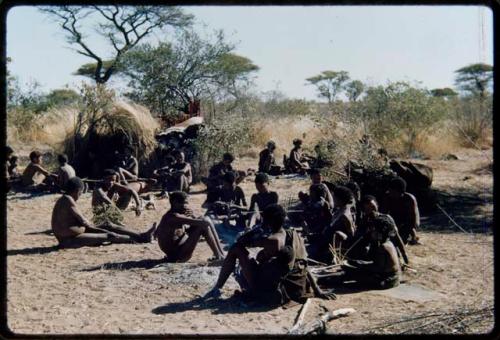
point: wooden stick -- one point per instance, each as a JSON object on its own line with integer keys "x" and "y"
{"x": 320, "y": 324}
{"x": 300, "y": 318}
{"x": 452, "y": 220}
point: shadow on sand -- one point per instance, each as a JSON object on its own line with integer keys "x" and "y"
{"x": 126, "y": 265}
{"x": 32, "y": 251}
{"x": 233, "y": 305}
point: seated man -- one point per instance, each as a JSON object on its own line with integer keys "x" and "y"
{"x": 33, "y": 169}
{"x": 369, "y": 207}
{"x": 179, "y": 231}
{"x": 72, "y": 229}
{"x": 128, "y": 166}
{"x": 382, "y": 270}
{"x": 267, "y": 162}
{"x": 64, "y": 172}
{"x": 283, "y": 254}
{"x": 317, "y": 178}
{"x": 262, "y": 199}
{"x": 297, "y": 162}
{"x": 217, "y": 172}
{"x": 228, "y": 199}
{"x": 340, "y": 233}
{"x": 110, "y": 186}
{"x": 317, "y": 212}
{"x": 402, "y": 206}
{"x": 179, "y": 176}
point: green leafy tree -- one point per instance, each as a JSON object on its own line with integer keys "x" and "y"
{"x": 475, "y": 79}
{"x": 354, "y": 89}
{"x": 329, "y": 84}
{"x": 445, "y": 92}
{"x": 169, "y": 75}
{"x": 123, "y": 27}
{"x": 62, "y": 97}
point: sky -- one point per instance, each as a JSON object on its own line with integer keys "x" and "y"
{"x": 375, "y": 44}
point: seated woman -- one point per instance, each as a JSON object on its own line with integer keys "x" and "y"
{"x": 382, "y": 270}
{"x": 179, "y": 231}
{"x": 72, "y": 229}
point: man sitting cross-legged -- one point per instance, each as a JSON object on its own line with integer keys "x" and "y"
{"x": 179, "y": 231}
{"x": 72, "y": 229}
{"x": 110, "y": 186}
{"x": 382, "y": 270}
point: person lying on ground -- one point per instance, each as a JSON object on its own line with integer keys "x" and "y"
{"x": 179, "y": 175}
{"x": 369, "y": 208}
{"x": 382, "y": 270}
{"x": 297, "y": 162}
{"x": 109, "y": 187}
{"x": 64, "y": 172}
{"x": 33, "y": 169}
{"x": 179, "y": 231}
{"x": 128, "y": 166}
{"x": 268, "y": 273}
{"x": 340, "y": 233}
{"x": 72, "y": 229}
{"x": 403, "y": 208}
{"x": 262, "y": 199}
{"x": 267, "y": 161}
{"x": 229, "y": 200}
{"x": 216, "y": 172}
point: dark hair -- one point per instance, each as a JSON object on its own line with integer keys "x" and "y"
{"x": 354, "y": 187}
{"x": 228, "y": 157}
{"x": 8, "y": 150}
{"x": 368, "y": 198}
{"x": 274, "y": 216}
{"x": 229, "y": 177}
{"x": 13, "y": 159}
{"x": 62, "y": 158}
{"x": 343, "y": 194}
{"x": 176, "y": 153}
{"x": 109, "y": 172}
{"x": 35, "y": 154}
{"x": 177, "y": 197}
{"x": 314, "y": 171}
{"x": 297, "y": 141}
{"x": 73, "y": 184}
{"x": 398, "y": 184}
{"x": 385, "y": 225}
{"x": 129, "y": 148}
{"x": 261, "y": 178}
{"x": 319, "y": 190}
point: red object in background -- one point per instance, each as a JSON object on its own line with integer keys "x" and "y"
{"x": 194, "y": 108}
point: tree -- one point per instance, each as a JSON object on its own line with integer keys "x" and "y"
{"x": 354, "y": 89}
{"x": 475, "y": 79}
{"x": 445, "y": 92}
{"x": 62, "y": 97}
{"x": 171, "y": 74}
{"x": 122, "y": 26}
{"x": 329, "y": 83}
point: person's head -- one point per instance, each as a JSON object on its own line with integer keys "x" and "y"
{"x": 397, "y": 187}
{"x": 13, "y": 160}
{"x": 179, "y": 156}
{"x": 74, "y": 187}
{"x": 342, "y": 196}
{"x": 297, "y": 143}
{"x": 271, "y": 145}
{"x": 62, "y": 159}
{"x": 383, "y": 228}
{"x": 128, "y": 151}
{"x": 35, "y": 157}
{"x": 316, "y": 176}
{"x": 8, "y": 151}
{"x": 369, "y": 204}
{"x": 316, "y": 192}
{"x": 110, "y": 177}
{"x": 262, "y": 182}
{"x": 178, "y": 199}
{"x": 355, "y": 189}
{"x": 229, "y": 179}
{"x": 227, "y": 158}
{"x": 273, "y": 217}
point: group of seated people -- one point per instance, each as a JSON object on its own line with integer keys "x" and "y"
{"x": 334, "y": 221}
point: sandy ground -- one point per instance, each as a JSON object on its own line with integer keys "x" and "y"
{"x": 123, "y": 289}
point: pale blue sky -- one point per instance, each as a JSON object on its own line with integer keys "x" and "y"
{"x": 290, "y": 44}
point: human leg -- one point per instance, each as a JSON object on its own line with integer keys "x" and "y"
{"x": 90, "y": 240}
{"x": 248, "y": 266}
{"x": 212, "y": 238}
{"x": 121, "y": 230}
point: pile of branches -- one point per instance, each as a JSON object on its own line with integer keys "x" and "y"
{"x": 458, "y": 321}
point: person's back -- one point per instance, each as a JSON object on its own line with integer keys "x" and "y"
{"x": 64, "y": 216}
{"x": 64, "y": 173}
{"x": 27, "y": 178}
{"x": 266, "y": 159}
